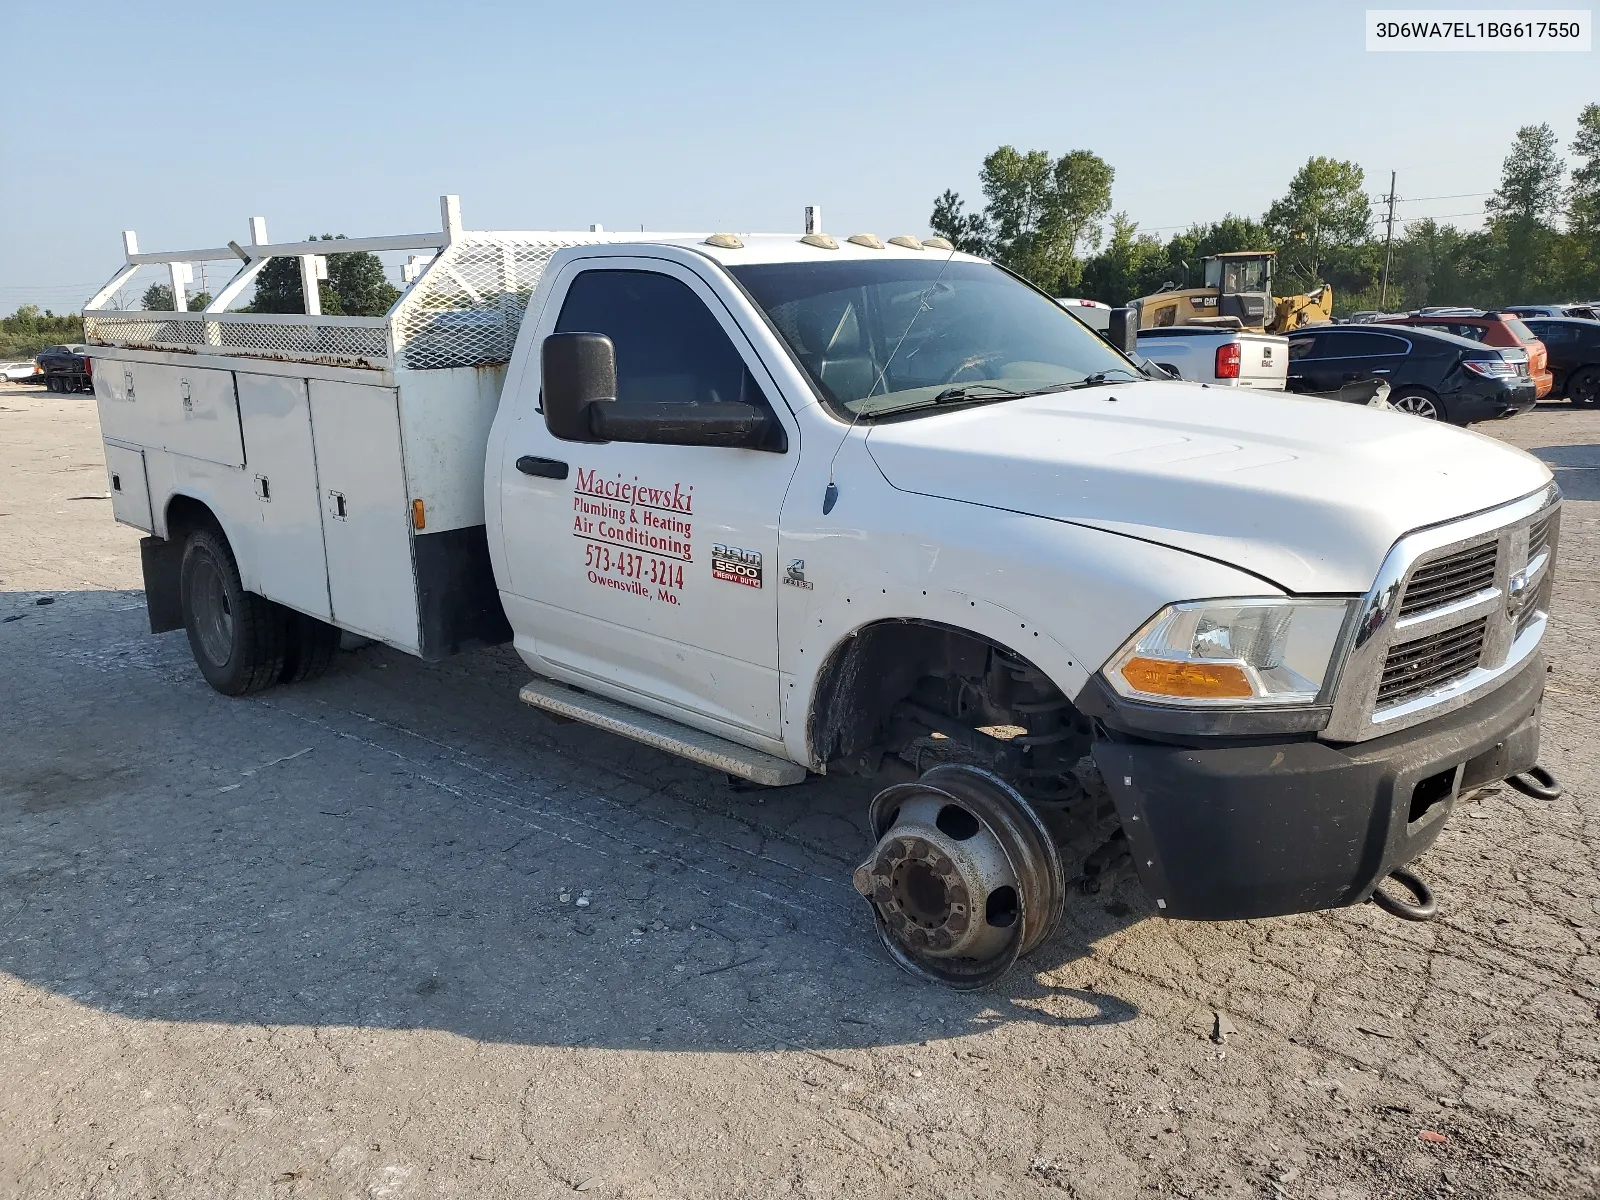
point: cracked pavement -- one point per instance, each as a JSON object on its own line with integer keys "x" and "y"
{"x": 393, "y": 934}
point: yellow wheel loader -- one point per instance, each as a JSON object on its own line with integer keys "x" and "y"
{"x": 1236, "y": 291}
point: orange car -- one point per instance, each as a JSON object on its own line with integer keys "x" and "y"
{"x": 1492, "y": 329}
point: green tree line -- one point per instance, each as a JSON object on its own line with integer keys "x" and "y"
{"x": 29, "y": 330}
{"x": 1046, "y": 219}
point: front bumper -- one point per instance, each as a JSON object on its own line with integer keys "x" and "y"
{"x": 1261, "y": 828}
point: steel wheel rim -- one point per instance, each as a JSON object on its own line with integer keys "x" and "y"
{"x": 213, "y": 614}
{"x": 1417, "y": 406}
{"x": 920, "y": 941}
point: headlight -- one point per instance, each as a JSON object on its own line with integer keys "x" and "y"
{"x": 1231, "y": 653}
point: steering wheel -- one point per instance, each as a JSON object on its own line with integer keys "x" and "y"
{"x": 969, "y": 364}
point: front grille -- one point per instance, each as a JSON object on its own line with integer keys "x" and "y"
{"x": 1416, "y": 668}
{"x": 1539, "y": 536}
{"x": 1529, "y": 611}
{"x": 1462, "y": 574}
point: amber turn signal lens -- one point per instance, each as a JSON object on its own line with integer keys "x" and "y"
{"x": 1191, "y": 680}
{"x": 419, "y": 515}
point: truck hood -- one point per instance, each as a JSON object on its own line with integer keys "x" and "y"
{"x": 1307, "y": 494}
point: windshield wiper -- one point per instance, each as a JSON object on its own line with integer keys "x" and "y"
{"x": 1100, "y": 377}
{"x": 965, "y": 391}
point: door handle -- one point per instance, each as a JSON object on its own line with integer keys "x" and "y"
{"x": 547, "y": 468}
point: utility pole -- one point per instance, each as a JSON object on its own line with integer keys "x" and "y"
{"x": 1388, "y": 246}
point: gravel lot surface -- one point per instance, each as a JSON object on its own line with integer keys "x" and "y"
{"x": 393, "y": 934}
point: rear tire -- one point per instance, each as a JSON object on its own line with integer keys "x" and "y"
{"x": 1583, "y": 389}
{"x": 1418, "y": 404}
{"x": 237, "y": 638}
{"x": 309, "y": 649}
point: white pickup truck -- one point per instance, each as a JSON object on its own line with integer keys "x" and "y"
{"x": 786, "y": 504}
{"x": 1219, "y": 356}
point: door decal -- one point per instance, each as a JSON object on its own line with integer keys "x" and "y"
{"x": 636, "y": 538}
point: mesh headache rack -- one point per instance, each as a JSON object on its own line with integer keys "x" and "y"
{"x": 462, "y": 305}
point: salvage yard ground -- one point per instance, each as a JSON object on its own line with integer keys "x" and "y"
{"x": 395, "y": 934}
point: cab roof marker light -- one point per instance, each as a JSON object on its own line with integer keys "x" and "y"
{"x": 821, "y": 241}
{"x": 938, "y": 243}
{"x": 725, "y": 241}
{"x": 905, "y": 241}
{"x": 869, "y": 240}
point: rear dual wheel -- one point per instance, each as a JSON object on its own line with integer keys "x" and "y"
{"x": 965, "y": 878}
{"x": 243, "y": 642}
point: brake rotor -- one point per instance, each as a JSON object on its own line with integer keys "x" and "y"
{"x": 965, "y": 878}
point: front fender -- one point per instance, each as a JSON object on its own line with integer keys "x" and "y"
{"x": 1064, "y": 597}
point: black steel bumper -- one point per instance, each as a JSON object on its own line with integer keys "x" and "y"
{"x": 1251, "y": 829}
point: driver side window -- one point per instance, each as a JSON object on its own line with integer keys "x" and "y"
{"x": 670, "y": 349}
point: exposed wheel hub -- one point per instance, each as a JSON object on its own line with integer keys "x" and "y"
{"x": 964, "y": 878}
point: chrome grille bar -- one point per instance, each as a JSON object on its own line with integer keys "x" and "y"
{"x": 1455, "y": 609}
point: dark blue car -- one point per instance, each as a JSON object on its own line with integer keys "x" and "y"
{"x": 1430, "y": 374}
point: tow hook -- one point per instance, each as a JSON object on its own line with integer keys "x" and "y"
{"x": 1537, "y": 782}
{"x": 1424, "y": 908}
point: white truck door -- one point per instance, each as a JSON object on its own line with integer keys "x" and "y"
{"x": 648, "y": 567}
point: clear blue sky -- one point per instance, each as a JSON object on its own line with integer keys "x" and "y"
{"x": 181, "y": 121}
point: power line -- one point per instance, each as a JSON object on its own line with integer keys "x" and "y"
{"x": 1457, "y": 196}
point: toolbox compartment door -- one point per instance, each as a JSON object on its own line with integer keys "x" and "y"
{"x": 130, "y": 491}
{"x": 366, "y": 512}
{"x": 286, "y": 514}
{"x": 185, "y": 410}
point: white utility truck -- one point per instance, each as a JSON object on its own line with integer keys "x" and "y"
{"x": 788, "y": 504}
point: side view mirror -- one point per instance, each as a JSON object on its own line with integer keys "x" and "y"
{"x": 580, "y": 405}
{"x": 1123, "y": 332}
{"x": 580, "y": 373}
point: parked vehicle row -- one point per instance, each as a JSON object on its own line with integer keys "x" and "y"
{"x": 1584, "y": 312}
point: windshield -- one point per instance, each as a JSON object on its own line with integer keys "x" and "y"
{"x": 880, "y": 337}
{"x": 1244, "y": 275}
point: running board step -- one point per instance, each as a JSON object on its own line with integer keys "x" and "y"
{"x": 663, "y": 733}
